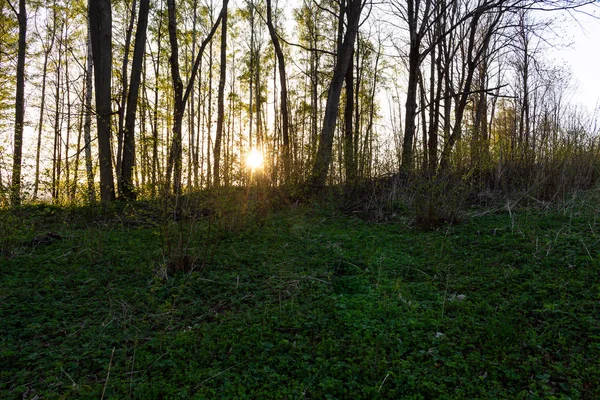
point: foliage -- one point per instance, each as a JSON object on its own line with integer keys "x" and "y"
{"x": 301, "y": 302}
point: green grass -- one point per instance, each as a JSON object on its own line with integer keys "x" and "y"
{"x": 305, "y": 303}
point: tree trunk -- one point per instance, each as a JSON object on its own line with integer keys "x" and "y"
{"x": 324, "y": 152}
{"x": 209, "y": 117}
{"x": 123, "y": 99}
{"x": 424, "y": 161}
{"x": 411, "y": 109}
{"x": 434, "y": 111}
{"x": 47, "y": 51}
{"x": 348, "y": 129}
{"x": 127, "y": 187}
{"x": 155, "y": 161}
{"x": 251, "y": 75}
{"x": 56, "y": 153}
{"x": 284, "y": 94}
{"x": 100, "y": 19}
{"x": 175, "y": 154}
{"x": 68, "y": 130}
{"x": 174, "y": 164}
{"x": 369, "y": 130}
{"x": 220, "y": 100}
{"x": 19, "y": 106}
{"x": 87, "y": 126}
{"x": 193, "y": 146}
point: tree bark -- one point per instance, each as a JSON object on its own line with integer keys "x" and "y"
{"x": 127, "y": 188}
{"x": 411, "y": 100}
{"x": 324, "y": 152}
{"x": 87, "y": 125}
{"x": 154, "y": 118}
{"x": 348, "y": 126}
{"x": 56, "y": 150}
{"x": 220, "y": 100}
{"x": 19, "y": 105}
{"x": 284, "y": 95}
{"x": 68, "y": 105}
{"x": 174, "y": 164}
{"x": 100, "y": 19}
{"x": 47, "y": 51}
{"x": 124, "y": 99}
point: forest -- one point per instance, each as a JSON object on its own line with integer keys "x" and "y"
{"x": 146, "y": 99}
{"x": 296, "y": 199}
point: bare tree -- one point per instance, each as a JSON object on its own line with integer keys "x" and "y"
{"x": 418, "y": 16}
{"x": 477, "y": 44}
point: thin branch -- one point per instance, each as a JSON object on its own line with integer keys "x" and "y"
{"x": 13, "y": 8}
{"x": 208, "y": 38}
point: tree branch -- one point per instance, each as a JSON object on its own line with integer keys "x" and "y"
{"x": 13, "y": 8}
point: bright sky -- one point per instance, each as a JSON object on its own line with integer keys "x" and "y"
{"x": 583, "y": 56}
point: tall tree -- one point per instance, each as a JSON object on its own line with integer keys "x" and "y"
{"x": 349, "y": 160}
{"x": 87, "y": 125}
{"x": 351, "y": 10}
{"x": 126, "y": 182}
{"x": 220, "y": 99}
{"x": 58, "y": 117}
{"x": 285, "y": 128}
{"x": 47, "y": 46}
{"x": 19, "y": 103}
{"x": 476, "y": 47}
{"x": 418, "y": 16}
{"x": 100, "y": 19}
{"x": 174, "y": 164}
{"x": 124, "y": 96}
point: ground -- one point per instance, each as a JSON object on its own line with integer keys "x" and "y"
{"x": 304, "y": 302}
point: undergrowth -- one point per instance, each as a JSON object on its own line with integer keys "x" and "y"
{"x": 301, "y": 303}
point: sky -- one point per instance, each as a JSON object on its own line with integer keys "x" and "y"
{"x": 582, "y": 56}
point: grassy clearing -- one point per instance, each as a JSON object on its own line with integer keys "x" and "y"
{"x": 307, "y": 303}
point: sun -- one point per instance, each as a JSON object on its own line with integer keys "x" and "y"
{"x": 254, "y": 159}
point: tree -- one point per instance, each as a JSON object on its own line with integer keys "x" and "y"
{"x": 220, "y": 98}
{"x": 100, "y": 20}
{"x": 87, "y": 125}
{"x": 418, "y": 17}
{"x": 19, "y": 103}
{"x": 349, "y": 145}
{"x": 351, "y": 11}
{"x": 477, "y": 45}
{"x": 126, "y": 182}
{"x": 174, "y": 165}
{"x": 123, "y": 100}
{"x": 47, "y": 48}
{"x": 58, "y": 115}
{"x": 284, "y": 92}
